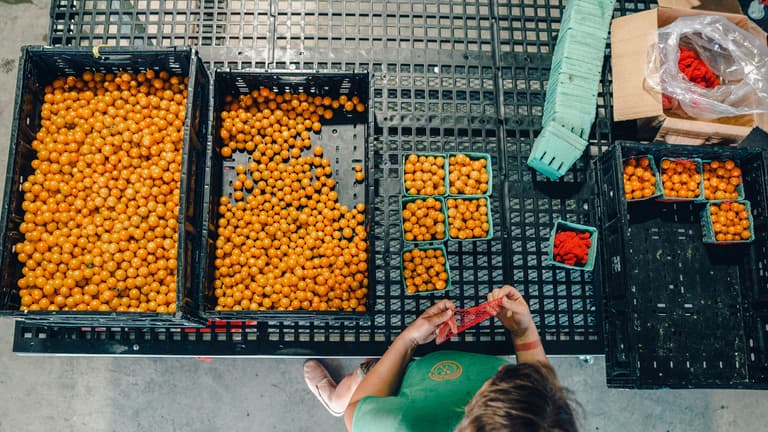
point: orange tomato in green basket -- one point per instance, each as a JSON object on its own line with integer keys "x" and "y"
{"x": 680, "y": 179}
{"x": 423, "y": 220}
{"x": 424, "y": 175}
{"x": 467, "y": 218}
{"x": 467, "y": 176}
{"x": 639, "y": 179}
{"x": 730, "y": 221}
{"x": 424, "y": 270}
{"x": 721, "y": 178}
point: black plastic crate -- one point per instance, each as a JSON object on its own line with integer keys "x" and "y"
{"x": 680, "y": 313}
{"x": 344, "y": 139}
{"x": 38, "y": 67}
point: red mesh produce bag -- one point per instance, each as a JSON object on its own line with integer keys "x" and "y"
{"x": 463, "y": 319}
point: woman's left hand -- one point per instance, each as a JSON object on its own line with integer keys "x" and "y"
{"x": 424, "y": 329}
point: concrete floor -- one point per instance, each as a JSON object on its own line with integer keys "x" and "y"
{"x": 184, "y": 394}
{"x": 166, "y": 394}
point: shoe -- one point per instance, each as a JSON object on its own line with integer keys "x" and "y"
{"x": 320, "y": 384}
{"x": 367, "y": 365}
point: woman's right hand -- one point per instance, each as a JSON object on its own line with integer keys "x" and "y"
{"x": 424, "y": 329}
{"x": 514, "y": 312}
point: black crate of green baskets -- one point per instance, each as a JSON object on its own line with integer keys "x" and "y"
{"x": 681, "y": 310}
{"x": 102, "y": 144}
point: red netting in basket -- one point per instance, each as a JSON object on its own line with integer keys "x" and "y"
{"x": 463, "y": 319}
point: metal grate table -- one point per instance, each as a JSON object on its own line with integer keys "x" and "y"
{"x": 453, "y": 75}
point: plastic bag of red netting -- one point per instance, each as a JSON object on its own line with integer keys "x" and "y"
{"x": 707, "y": 67}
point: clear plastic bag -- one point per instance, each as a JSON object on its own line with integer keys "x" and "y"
{"x": 738, "y": 58}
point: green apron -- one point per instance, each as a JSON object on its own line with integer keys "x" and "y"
{"x": 433, "y": 394}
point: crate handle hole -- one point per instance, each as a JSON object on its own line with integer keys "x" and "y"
{"x": 116, "y": 58}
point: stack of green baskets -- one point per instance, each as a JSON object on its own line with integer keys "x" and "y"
{"x": 569, "y": 109}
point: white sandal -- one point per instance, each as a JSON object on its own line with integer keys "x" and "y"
{"x": 316, "y": 375}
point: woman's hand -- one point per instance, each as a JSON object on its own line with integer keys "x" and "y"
{"x": 424, "y": 329}
{"x": 514, "y": 312}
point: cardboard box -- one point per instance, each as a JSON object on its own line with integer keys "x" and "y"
{"x": 633, "y": 100}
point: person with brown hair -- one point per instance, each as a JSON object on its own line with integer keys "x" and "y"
{"x": 451, "y": 390}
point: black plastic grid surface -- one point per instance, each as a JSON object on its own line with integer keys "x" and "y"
{"x": 452, "y": 75}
